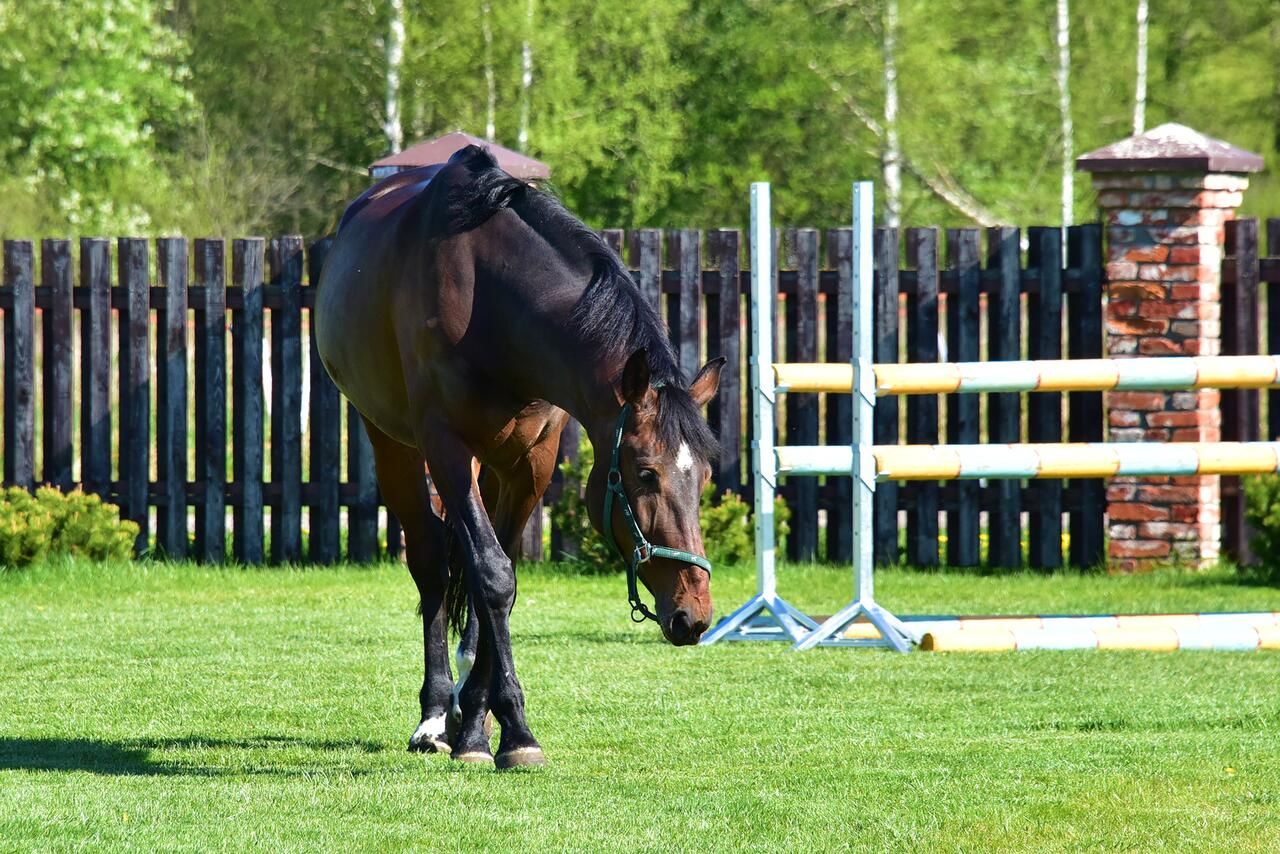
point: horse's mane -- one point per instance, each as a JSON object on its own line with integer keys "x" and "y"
{"x": 612, "y": 318}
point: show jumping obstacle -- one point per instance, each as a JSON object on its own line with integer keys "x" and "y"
{"x": 866, "y": 623}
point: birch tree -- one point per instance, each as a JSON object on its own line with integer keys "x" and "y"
{"x": 491, "y": 86}
{"x": 1064, "y": 107}
{"x": 892, "y": 151}
{"x": 1140, "y": 90}
{"x": 526, "y": 76}
{"x": 395, "y": 58}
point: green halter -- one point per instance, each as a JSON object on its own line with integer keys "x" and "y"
{"x": 644, "y": 550}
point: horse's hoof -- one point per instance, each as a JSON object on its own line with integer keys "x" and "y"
{"x": 474, "y": 757}
{"x": 429, "y": 745}
{"x": 520, "y": 757}
{"x": 429, "y": 737}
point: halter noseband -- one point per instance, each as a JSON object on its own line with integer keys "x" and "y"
{"x": 644, "y": 550}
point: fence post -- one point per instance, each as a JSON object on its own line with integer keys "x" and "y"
{"x": 1165, "y": 196}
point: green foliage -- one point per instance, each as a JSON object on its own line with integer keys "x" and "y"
{"x": 51, "y": 523}
{"x": 93, "y": 92}
{"x": 1262, "y": 511}
{"x": 727, "y": 533}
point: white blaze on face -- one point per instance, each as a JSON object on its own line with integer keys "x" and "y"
{"x": 684, "y": 459}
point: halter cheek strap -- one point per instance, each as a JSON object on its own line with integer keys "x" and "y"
{"x": 644, "y": 550}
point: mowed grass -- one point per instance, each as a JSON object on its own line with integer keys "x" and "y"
{"x": 162, "y": 707}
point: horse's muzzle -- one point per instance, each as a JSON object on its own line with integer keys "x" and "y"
{"x": 682, "y": 629}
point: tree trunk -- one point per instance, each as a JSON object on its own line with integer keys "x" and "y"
{"x": 1064, "y": 105}
{"x": 892, "y": 158}
{"x": 526, "y": 76}
{"x": 395, "y": 56}
{"x": 491, "y": 103}
{"x": 1140, "y": 90}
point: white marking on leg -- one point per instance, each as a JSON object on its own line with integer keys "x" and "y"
{"x": 684, "y": 459}
{"x": 464, "y": 661}
{"x": 432, "y": 729}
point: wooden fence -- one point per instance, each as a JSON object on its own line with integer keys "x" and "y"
{"x": 167, "y": 440}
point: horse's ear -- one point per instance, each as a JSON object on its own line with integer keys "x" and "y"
{"x": 704, "y": 385}
{"x": 635, "y": 378}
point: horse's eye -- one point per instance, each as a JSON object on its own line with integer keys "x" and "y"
{"x": 648, "y": 477}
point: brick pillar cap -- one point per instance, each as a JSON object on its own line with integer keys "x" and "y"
{"x": 1170, "y": 148}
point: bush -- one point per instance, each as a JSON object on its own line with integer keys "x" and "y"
{"x": 726, "y": 522}
{"x": 1262, "y": 512}
{"x": 49, "y": 522}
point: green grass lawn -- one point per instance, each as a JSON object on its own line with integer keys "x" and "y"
{"x": 164, "y": 707}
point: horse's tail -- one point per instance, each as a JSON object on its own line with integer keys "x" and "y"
{"x": 455, "y": 595}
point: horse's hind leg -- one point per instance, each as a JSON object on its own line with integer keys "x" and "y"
{"x": 403, "y": 483}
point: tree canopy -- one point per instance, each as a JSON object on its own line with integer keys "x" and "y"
{"x": 230, "y": 116}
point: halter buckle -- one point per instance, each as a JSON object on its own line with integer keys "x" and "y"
{"x": 643, "y": 553}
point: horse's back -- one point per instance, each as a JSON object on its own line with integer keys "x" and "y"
{"x": 390, "y": 193}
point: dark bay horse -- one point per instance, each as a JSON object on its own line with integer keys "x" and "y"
{"x": 467, "y": 315}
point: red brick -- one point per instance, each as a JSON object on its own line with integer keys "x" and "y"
{"x": 1184, "y": 291}
{"x": 1150, "y": 435}
{"x": 1143, "y": 401}
{"x": 1136, "y": 326}
{"x": 1153, "y": 253}
{"x": 1184, "y": 255}
{"x": 1121, "y": 345}
{"x": 1137, "y": 512}
{"x": 1184, "y": 512}
{"x": 1121, "y": 492}
{"x": 1118, "y": 270}
{"x": 1124, "y": 307}
{"x": 1167, "y": 494}
{"x": 1181, "y": 309}
{"x": 1184, "y": 418}
{"x": 1182, "y": 234}
{"x": 1123, "y": 418}
{"x": 1155, "y": 346}
{"x": 1195, "y": 434}
{"x": 1168, "y": 531}
{"x": 1127, "y": 290}
{"x": 1139, "y": 548}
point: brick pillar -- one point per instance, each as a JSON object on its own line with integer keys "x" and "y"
{"x": 1165, "y": 197}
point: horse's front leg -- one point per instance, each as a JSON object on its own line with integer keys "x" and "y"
{"x": 490, "y": 578}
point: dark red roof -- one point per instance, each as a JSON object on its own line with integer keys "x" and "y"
{"x": 440, "y": 149}
{"x": 1170, "y": 148}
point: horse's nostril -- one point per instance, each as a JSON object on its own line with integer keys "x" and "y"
{"x": 681, "y": 626}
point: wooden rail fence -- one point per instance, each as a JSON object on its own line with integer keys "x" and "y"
{"x": 161, "y": 346}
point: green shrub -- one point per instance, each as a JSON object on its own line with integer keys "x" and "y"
{"x": 727, "y": 532}
{"x": 49, "y": 523}
{"x": 1262, "y": 512}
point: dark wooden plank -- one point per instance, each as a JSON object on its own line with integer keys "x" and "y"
{"x": 20, "y": 365}
{"x": 613, "y": 238}
{"x": 648, "y": 260}
{"x": 135, "y": 386}
{"x": 362, "y": 517}
{"x": 531, "y": 537}
{"x": 248, "y": 263}
{"x": 323, "y": 545}
{"x": 688, "y": 252}
{"x": 839, "y": 323}
{"x": 922, "y": 410}
{"x": 562, "y": 545}
{"x": 725, "y": 313}
{"x": 1241, "y": 408}
{"x": 95, "y": 367}
{"x": 885, "y": 351}
{"x": 802, "y": 409}
{"x": 964, "y": 520}
{"x": 59, "y": 351}
{"x": 1044, "y": 310}
{"x": 171, "y": 399}
{"x": 286, "y": 399}
{"x": 1273, "y": 328}
{"x": 211, "y": 401}
{"x": 1004, "y": 330}
{"x": 1084, "y": 341}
